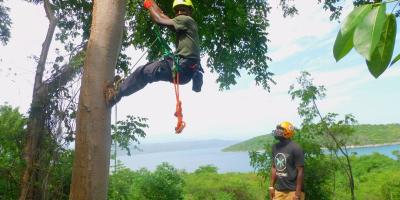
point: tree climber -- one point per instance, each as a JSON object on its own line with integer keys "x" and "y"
{"x": 187, "y": 55}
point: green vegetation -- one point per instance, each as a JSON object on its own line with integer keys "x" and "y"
{"x": 375, "y": 28}
{"x": 364, "y": 134}
{"x": 376, "y": 178}
{"x": 168, "y": 183}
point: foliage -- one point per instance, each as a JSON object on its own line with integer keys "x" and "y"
{"x": 164, "y": 183}
{"x": 375, "y": 134}
{"x": 210, "y": 169}
{"x": 375, "y": 178}
{"x": 376, "y": 35}
{"x": 225, "y": 29}
{"x": 59, "y": 175}
{"x": 397, "y": 154}
{"x": 229, "y": 186}
{"x": 168, "y": 183}
{"x": 245, "y": 40}
{"x": 121, "y": 183}
{"x": 5, "y": 23}
{"x": 12, "y": 131}
{"x": 126, "y": 132}
{"x": 334, "y": 131}
{"x": 391, "y": 187}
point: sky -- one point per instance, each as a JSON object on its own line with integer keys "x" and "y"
{"x": 301, "y": 43}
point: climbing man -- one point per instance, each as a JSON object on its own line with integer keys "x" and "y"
{"x": 187, "y": 54}
{"x": 287, "y": 172}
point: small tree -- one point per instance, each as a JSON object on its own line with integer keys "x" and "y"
{"x": 329, "y": 132}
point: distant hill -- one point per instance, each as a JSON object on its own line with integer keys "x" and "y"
{"x": 365, "y": 134}
{"x": 180, "y": 146}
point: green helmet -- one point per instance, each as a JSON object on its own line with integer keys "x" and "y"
{"x": 183, "y": 2}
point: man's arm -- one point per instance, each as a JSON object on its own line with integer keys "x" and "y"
{"x": 157, "y": 15}
{"x": 299, "y": 181}
{"x": 272, "y": 182}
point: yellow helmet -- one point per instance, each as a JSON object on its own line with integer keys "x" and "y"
{"x": 288, "y": 129}
{"x": 183, "y": 2}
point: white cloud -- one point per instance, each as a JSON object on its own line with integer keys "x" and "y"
{"x": 312, "y": 24}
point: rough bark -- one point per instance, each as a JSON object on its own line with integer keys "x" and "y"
{"x": 93, "y": 134}
{"x": 36, "y": 123}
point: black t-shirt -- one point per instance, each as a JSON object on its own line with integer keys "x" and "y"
{"x": 287, "y": 155}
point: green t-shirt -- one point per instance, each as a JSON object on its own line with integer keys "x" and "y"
{"x": 188, "y": 45}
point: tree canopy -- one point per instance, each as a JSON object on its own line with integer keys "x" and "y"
{"x": 5, "y": 23}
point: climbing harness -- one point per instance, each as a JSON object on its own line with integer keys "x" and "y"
{"x": 180, "y": 125}
{"x": 168, "y": 54}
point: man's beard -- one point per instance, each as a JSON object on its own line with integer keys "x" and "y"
{"x": 280, "y": 138}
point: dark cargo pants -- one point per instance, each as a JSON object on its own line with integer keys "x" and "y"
{"x": 162, "y": 71}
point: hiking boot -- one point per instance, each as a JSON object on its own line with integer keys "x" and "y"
{"x": 112, "y": 92}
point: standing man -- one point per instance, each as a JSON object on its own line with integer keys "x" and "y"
{"x": 187, "y": 51}
{"x": 287, "y": 172}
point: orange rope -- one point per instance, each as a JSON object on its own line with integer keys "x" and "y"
{"x": 178, "y": 113}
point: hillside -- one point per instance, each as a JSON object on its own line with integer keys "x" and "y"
{"x": 365, "y": 134}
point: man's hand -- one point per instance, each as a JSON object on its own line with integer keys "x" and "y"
{"x": 271, "y": 192}
{"x": 148, "y": 4}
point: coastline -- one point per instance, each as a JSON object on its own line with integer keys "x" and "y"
{"x": 348, "y": 147}
{"x": 372, "y": 145}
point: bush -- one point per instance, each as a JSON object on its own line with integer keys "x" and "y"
{"x": 164, "y": 184}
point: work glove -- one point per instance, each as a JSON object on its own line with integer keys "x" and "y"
{"x": 148, "y": 4}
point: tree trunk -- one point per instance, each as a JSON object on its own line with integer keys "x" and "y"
{"x": 36, "y": 123}
{"x": 93, "y": 135}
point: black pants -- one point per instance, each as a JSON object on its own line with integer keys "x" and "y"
{"x": 158, "y": 71}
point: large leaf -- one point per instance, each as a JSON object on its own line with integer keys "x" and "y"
{"x": 384, "y": 51}
{"x": 368, "y": 32}
{"x": 397, "y": 58}
{"x": 354, "y": 18}
{"x": 343, "y": 45}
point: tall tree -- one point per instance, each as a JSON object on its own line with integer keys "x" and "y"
{"x": 44, "y": 109}
{"x": 93, "y": 139}
{"x": 36, "y": 121}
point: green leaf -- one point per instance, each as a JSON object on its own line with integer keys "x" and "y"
{"x": 343, "y": 45}
{"x": 397, "y": 58}
{"x": 354, "y": 18}
{"x": 368, "y": 31}
{"x": 384, "y": 51}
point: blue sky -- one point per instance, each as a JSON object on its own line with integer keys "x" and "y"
{"x": 301, "y": 43}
